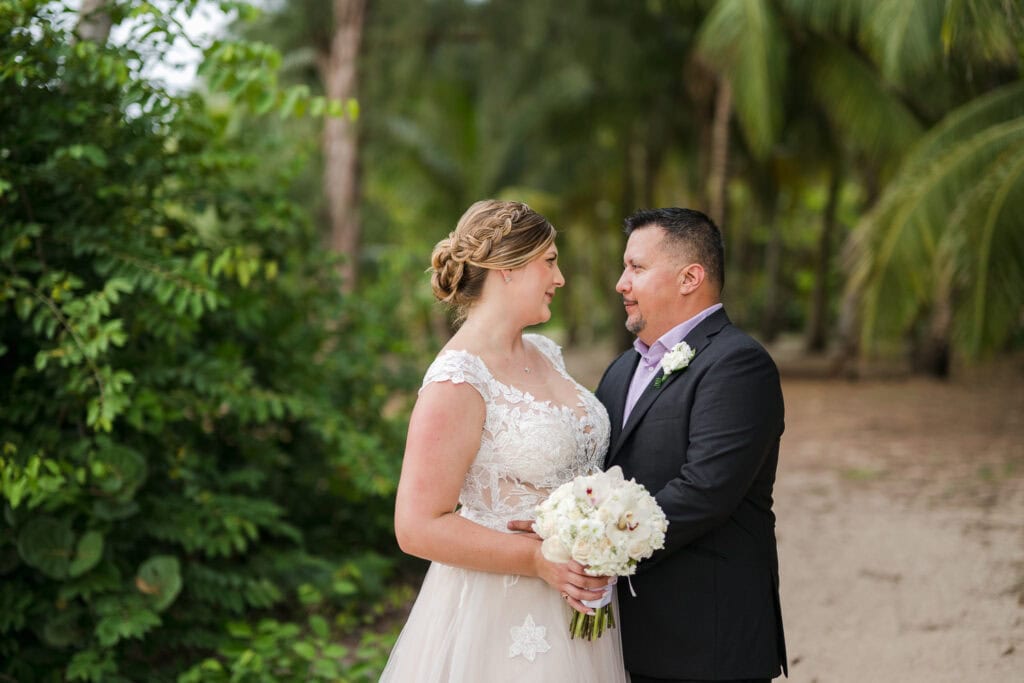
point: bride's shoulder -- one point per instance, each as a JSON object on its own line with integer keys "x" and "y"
{"x": 547, "y": 346}
{"x": 457, "y": 366}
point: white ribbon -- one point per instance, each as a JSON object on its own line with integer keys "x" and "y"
{"x": 605, "y": 599}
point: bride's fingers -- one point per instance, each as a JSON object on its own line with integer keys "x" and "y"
{"x": 575, "y": 603}
{"x": 584, "y": 580}
{"x": 576, "y": 567}
{"x": 588, "y": 593}
{"x": 523, "y": 525}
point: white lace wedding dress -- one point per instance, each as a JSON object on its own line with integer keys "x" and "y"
{"x": 478, "y": 627}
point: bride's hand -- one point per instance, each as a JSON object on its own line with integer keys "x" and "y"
{"x": 571, "y": 581}
{"x": 525, "y": 526}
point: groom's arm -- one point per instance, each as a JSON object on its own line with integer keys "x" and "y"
{"x": 735, "y": 422}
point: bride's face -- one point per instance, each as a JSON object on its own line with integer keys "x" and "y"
{"x": 533, "y": 287}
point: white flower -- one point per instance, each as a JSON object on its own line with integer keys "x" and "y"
{"x": 528, "y": 639}
{"x": 676, "y": 358}
{"x": 601, "y": 521}
{"x": 554, "y": 551}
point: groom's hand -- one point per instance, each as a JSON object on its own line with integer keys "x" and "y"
{"x": 523, "y": 525}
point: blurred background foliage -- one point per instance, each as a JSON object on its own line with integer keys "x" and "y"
{"x": 214, "y": 308}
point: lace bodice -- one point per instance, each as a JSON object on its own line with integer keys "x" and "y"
{"x": 528, "y": 447}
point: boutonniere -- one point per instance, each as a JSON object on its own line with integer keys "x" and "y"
{"x": 676, "y": 358}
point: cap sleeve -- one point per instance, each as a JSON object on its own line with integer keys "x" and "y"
{"x": 459, "y": 367}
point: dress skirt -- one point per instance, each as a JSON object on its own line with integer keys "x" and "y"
{"x": 477, "y": 627}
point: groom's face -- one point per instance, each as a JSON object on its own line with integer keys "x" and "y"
{"x": 649, "y": 284}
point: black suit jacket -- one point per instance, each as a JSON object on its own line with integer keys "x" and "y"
{"x": 706, "y": 443}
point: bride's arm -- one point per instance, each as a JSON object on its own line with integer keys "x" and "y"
{"x": 444, "y": 437}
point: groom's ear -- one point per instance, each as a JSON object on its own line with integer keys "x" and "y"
{"x": 690, "y": 278}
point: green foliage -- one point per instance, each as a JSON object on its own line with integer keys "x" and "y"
{"x": 948, "y": 231}
{"x": 191, "y": 423}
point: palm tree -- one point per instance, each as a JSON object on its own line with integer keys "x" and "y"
{"x": 945, "y": 245}
{"x": 797, "y": 84}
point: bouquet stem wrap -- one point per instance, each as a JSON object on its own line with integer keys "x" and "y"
{"x": 593, "y": 626}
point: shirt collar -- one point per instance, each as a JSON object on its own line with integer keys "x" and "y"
{"x": 652, "y": 355}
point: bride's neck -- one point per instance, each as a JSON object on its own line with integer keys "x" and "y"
{"x": 491, "y": 334}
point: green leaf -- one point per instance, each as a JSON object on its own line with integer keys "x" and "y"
{"x": 112, "y": 511}
{"x": 304, "y": 650}
{"x": 87, "y": 554}
{"x": 335, "y": 651}
{"x": 91, "y": 665}
{"x": 124, "y": 470}
{"x": 64, "y": 628}
{"x": 319, "y": 626}
{"x": 159, "y": 578}
{"x": 123, "y": 616}
{"x": 47, "y": 544}
{"x": 325, "y": 668}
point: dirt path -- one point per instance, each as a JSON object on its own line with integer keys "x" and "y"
{"x": 901, "y": 530}
{"x": 900, "y": 510}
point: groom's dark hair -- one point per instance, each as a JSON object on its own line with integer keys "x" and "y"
{"x": 692, "y": 232}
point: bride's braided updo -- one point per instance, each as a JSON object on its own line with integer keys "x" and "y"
{"x": 491, "y": 235}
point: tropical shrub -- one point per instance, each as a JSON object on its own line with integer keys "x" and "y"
{"x": 192, "y": 430}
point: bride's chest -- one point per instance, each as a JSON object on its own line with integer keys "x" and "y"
{"x": 543, "y": 443}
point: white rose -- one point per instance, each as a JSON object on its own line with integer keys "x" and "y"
{"x": 553, "y": 551}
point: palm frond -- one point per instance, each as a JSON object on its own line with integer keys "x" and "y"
{"x": 904, "y": 38}
{"x": 999, "y": 105}
{"x": 987, "y": 30}
{"x": 869, "y": 117}
{"x": 832, "y": 17}
{"x": 743, "y": 40}
{"x": 901, "y": 249}
{"x": 994, "y": 272}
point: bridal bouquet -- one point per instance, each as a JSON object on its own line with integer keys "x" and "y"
{"x": 605, "y": 523}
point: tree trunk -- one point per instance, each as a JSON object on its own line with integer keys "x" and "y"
{"x": 847, "y": 359}
{"x": 719, "y": 164}
{"x": 340, "y": 141}
{"x": 933, "y": 353}
{"x": 94, "y": 21}
{"x": 817, "y": 324}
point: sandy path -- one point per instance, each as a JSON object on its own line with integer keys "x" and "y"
{"x": 901, "y": 530}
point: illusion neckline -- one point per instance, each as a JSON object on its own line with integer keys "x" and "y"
{"x": 548, "y": 403}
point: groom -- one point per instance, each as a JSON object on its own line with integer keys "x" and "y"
{"x": 705, "y": 440}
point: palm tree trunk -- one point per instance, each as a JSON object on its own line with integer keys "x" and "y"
{"x": 340, "y": 138}
{"x": 847, "y": 359}
{"x": 817, "y": 327}
{"x": 94, "y": 21}
{"x": 719, "y": 163}
{"x": 932, "y": 355}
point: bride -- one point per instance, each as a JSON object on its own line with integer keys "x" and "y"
{"x": 498, "y": 424}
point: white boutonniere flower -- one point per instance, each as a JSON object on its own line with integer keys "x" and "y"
{"x": 676, "y": 358}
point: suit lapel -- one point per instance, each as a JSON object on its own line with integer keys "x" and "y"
{"x": 619, "y": 383}
{"x": 698, "y": 339}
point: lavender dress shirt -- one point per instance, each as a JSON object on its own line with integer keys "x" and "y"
{"x": 650, "y": 357}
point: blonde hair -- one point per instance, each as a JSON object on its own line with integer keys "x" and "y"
{"x": 491, "y": 235}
